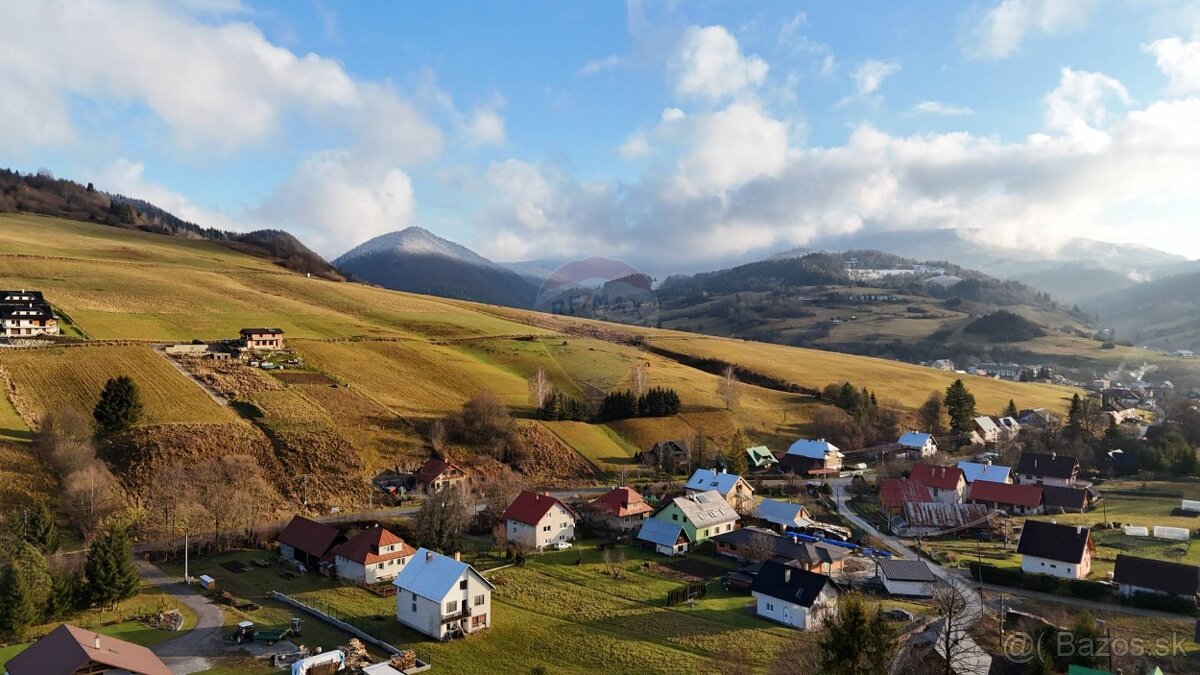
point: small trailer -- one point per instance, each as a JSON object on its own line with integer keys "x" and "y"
{"x": 247, "y": 632}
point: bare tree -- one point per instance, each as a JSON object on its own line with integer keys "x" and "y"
{"x": 90, "y": 495}
{"x": 959, "y": 652}
{"x": 540, "y": 388}
{"x": 496, "y": 494}
{"x": 437, "y": 436}
{"x": 729, "y": 389}
{"x": 760, "y": 547}
{"x": 641, "y": 379}
{"x": 443, "y": 517}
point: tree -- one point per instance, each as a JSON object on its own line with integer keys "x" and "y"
{"x": 932, "y": 415}
{"x": 31, "y": 566}
{"x": 90, "y": 495}
{"x": 443, "y": 517}
{"x": 540, "y": 388}
{"x": 641, "y": 378}
{"x": 1011, "y": 409}
{"x": 954, "y": 643}
{"x": 1074, "y": 428}
{"x": 36, "y": 525}
{"x": 17, "y": 611}
{"x": 960, "y": 406}
{"x": 857, "y": 641}
{"x": 759, "y": 547}
{"x": 119, "y": 407}
{"x": 729, "y": 389}
{"x": 64, "y": 440}
{"x": 736, "y": 462}
{"x": 111, "y": 574}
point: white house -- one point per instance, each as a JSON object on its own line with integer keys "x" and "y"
{"x": 906, "y": 577}
{"x": 1058, "y": 550}
{"x": 918, "y": 444}
{"x": 973, "y": 471}
{"x": 732, "y": 487}
{"x": 987, "y": 429}
{"x": 807, "y": 455}
{"x": 783, "y": 514}
{"x": 1036, "y": 468}
{"x": 441, "y": 596}
{"x": 537, "y": 520}
{"x": 788, "y": 594}
{"x": 1146, "y": 575}
{"x": 373, "y": 556}
{"x": 946, "y": 483}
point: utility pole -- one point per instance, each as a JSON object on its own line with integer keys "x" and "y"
{"x": 186, "y": 576}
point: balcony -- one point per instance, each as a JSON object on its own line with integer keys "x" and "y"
{"x": 463, "y": 613}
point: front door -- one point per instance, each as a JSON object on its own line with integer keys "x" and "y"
{"x": 787, "y": 615}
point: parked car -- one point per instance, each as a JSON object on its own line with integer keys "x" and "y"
{"x": 562, "y": 545}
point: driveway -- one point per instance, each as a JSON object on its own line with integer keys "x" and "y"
{"x": 190, "y": 652}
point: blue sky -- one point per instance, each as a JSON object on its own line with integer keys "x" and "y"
{"x": 676, "y": 135}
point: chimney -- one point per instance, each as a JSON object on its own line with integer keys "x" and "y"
{"x": 458, "y": 556}
{"x": 428, "y": 556}
{"x": 97, "y": 637}
{"x": 1078, "y": 529}
{"x": 787, "y": 578}
{"x": 795, "y": 540}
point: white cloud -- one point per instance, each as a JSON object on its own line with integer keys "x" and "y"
{"x": 127, "y": 177}
{"x": 597, "y": 66}
{"x": 1179, "y": 61}
{"x": 634, "y": 146}
{"x": 871, "y": 73}
{"x": 730, "y": 148}
{"x": 711, "y": 65}
{"x": 1078, "y": 106}
{"x": 1002, "y": 28}
{"x": 939, "y": 108}
{"x": 672, "y": 114}
{"x": 485, "y": 127}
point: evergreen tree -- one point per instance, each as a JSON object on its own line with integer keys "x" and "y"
{"x": 31, "y": 566}
{"x": 68, "y": 595}
{"x": 960, "y": 406}
{"x": 37, "y": 527}
{"x": 1011, "y": 409}
{"x": 618, "y": 405}
{"x": 119, "y": 407}
{"x": 111, "y": 574}
{"x": 17, "y": 612}
{"x": 857, "y": 641}
{"x": 1075, "y": 418}
{"x": 736, "y": 462}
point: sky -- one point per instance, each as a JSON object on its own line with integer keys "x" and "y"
{"x": 677, "y": 135}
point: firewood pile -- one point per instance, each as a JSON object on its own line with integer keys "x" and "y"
{"x": 404, "y": 660}
{"x": 357, "y": 657}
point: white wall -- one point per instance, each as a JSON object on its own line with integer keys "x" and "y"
{"x": 1034, "y": 565}
{"x": 371, "y": 574}
{"x": 787, "y": 613}
{"x": 424, "y": 615}
{"x": 1026, "y": 479}
{"x": 557, "y": 525}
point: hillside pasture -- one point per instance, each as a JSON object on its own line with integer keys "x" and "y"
{"x": 598, "y": 443}
{"x": 23, "y": 478}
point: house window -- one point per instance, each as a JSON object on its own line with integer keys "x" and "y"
{"x": 477, "y": 621}
{"x": 380, "y": 565}
{"x": 674, "y": 516}
{"x": 414, "y": 607}
{"x": 462, "y": 585}
{"x": 546, "y": 528}
{"x": 451, "y": 606}
{"x": 479, "y": 600}
{"x": 770, "y": 607}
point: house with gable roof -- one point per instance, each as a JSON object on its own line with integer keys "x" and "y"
{"x": 372, "y": 556}
{"x": 307, "y": 540}
{"x": 1058, "y": 550}
{"x": 442, "y": 597}
{"x": 732, "y": 487}
{"x": 807, "y": 456}
{"x": 701, "y": 515}
{"x": 621, "y": 509}
{"x": 795, "y": 597}
{"x": 1038, "y": 468}
{"x": 537, "y": 520}
{"x": 973, "y": 471}
{"x": 946, "y": 483}
{"x": 917, "y": 444}
{"x": 69, "y": 650}
{"x": 761, "y": 457}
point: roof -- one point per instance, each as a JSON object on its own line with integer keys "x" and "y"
{"x": 761, "y": 455}
{"x": 364, "y": 547}
{"x": 905, "y": 570}
{"x": 987, "y": 424}
{"x": 1025, "y": 496}
{"x": 706, "y": 508}
{"x": 973, "y": 471}
{"x": 1158, "y": 575}
{"x": 813, "y": 449}
{"x": 68, "y": 649}
{"x": 432, "y": 575}
{"x": 914, "y": 439}
{"x": 1035, "y": 416}
{"x": 530, "y": 507}
{"x": 671, "y": 446}
{"x": 1064, "y": 543}
{"x": 433, "y": 468}
{"x": 1050, "y": 465}
{"x": 786, "y": 548}
{"x": 934, "y": 476}
{"x": 1064, "y": 497}
{"x": 308, "y": 536}
{"x": 711, "y": 479}
{"x": 895, "y": 492}
{"x": 261, "y": 331}
{"x": 789, "y": 583}
{"x": 661, "y": 532}
{"x": 937, "y": 514}
{"x": 621, "y": 502}
{"x": 1010, "y": 423}
{"x": 781, "y": 513}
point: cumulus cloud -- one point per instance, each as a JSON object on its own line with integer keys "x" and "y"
{"x": 1179, "y": 61}
{"x": 710, "y": 65}
{"x": 871, "y": 73}
{"x": 485, "y": 127}
{"x": 939, "y": 108}
{"x": 634, "y": 146}
{"x": 672, "y": 114}
{"x": 1002, "y": 28}
{"x": 601, "y": 65}
{"x": 730, "y": 148}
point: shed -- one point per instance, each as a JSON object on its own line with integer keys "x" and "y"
{"x": 907, "y": 577}
{"x": 207, "y": 582}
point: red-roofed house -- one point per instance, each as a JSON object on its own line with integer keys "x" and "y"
{"x": 436, "y": 474}
{"x": 622, "y": 509}
{"x": 307, "y": 540}
{"x": 537, "y": 520}
{"x": 894, "y": 493}
{"x": 1016, "y": 499}
{"x": 373, "y": 556}
{"x": 945, "y": 483}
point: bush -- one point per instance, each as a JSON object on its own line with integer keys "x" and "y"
{"x": 1162, "y": 603}
{"x": 1078, "y": 588}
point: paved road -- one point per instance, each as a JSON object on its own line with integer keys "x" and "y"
{"x": 190, "y": 652}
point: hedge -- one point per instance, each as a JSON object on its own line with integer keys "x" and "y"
{"x": 1077, "y": 588}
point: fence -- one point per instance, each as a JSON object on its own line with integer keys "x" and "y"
{"x": 678, "y": 596}
{"x": 359, "y": 627}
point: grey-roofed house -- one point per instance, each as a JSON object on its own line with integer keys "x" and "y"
{"x": 987, "y": 429}
{"x": 1133, "y": 575}
{"x": 442, "y": 596}
{"x": 918, "y": 444}
{"x": 906, "y": 577}
{"x": 812, "y": 556}
{"x": 732, "y": 487}
{"x": 782, "y": 514}
{"x": 702, "y": 515}
{"x": 1037, "y": 468}
{"x": 664, "y": 537}
{"x": 793, "y": 596}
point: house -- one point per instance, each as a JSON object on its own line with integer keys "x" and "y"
{"x": 307, "y": 540}
{"x": 812, "y": 556}
{"x": 621, "y": 509}
{"x": 441, "y": 596}
{"x": 783, "y": 514}
{"x": 1036, "y": 417}
{"x": 943, "y": 364}
{"x": 732, "y": 487}
{"x": 922, "y": 518}
{"x": 665, "y": 537}
{"x": 1036, "y": 468}
{"x": 808, "y": 456}
{"x": 1058, "y": 550}
{"x": 68, "y": 650}
{"x": 372, "y": 556}
{"x": 436, "y": 474}
{"x": 973, "y": 471}
{"x": 1010, "y": 428}
{"x": 761, "y": 457}
{"x": 894, "y": 493}
{"x": 906, "y": 577}
{"x": 666, "y": 456}
{"x": 28, "y": 320}
{"x": 946, "y": 483}
{"x": 987, "y": 429}
{"x": 1145, "y": 575}
{"x": 703, "y": 515}
{"x": 1184, "y": 353}
{"x": 1014, "y": 499}
{"x": 793, "y": 596}
{"x": 265, "y": 339}
{"x": 537, "y": 520}
{"x": 1069, "y": 499}
{"x": 917, "y": 444}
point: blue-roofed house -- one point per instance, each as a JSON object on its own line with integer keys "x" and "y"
{"x": 732, "y": 487}
{"x": 664, "y": 537}
{"x": 994, "y": 473}
{"x": 783, "y": 514}
{"x": 917, "y": 444}
{"x": 761, "y": 457}
{"x": 442, "y": 596}
{"x": 809, "y": 456}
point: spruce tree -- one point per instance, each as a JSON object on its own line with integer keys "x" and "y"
{"x": 1075, "y": 418}
{"x": 17, "y": 612}
{"x": 31, "y": 566}
{"x": 38, "y": 528}
{"x": 111, "y": 574}
{"x": 960, "y": 407}
{"x": 119, "y": 407}
{"x": 1011, "y": 409}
